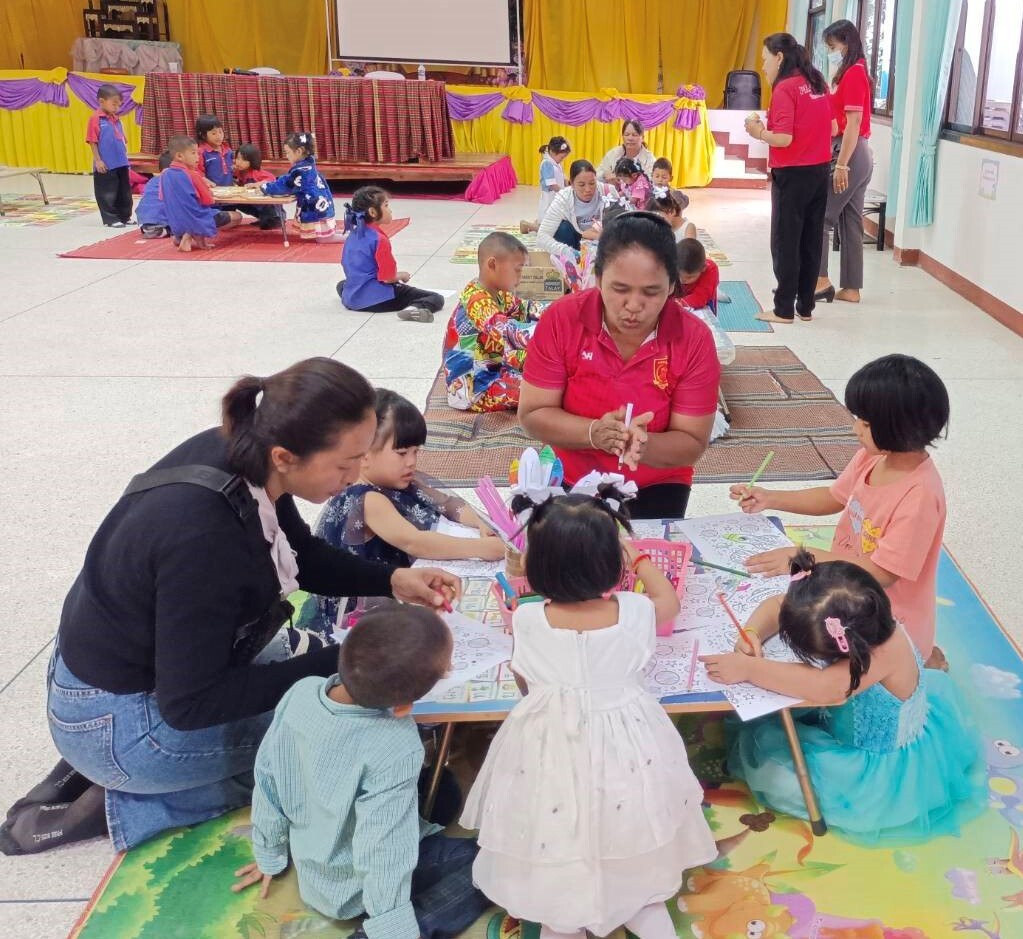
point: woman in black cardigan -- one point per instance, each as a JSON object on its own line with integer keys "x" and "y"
{"x": 173, "y": 647}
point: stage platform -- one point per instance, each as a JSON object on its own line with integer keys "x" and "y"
{"x": 487, "y": 175}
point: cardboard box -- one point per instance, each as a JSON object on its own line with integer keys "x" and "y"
{"x": 541, "y": 280}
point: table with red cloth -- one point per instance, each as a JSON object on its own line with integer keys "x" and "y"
{"x": 355, "y": 120}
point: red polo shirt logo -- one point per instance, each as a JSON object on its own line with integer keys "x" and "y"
{"x": 661, "y": 373}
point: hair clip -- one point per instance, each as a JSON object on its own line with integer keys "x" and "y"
{"x": 802, "y": 575}
{"x": 661, "y": 192}
{"x": 259, "y": 397}
{"x": 837, "y": 632}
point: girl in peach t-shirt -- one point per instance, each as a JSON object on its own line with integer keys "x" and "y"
{"x": 891, "y": 495}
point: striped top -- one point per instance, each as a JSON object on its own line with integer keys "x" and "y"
{"x": 338, "y": 785}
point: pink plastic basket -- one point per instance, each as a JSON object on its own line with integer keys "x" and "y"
{"x": 671, "y": 558}
{"x": 520, "y": 585}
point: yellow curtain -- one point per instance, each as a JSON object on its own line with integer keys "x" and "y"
{"x": 53, "y": 137}
{"x": 691, "y": 151}
{"x": 38, "y": 34}
{"x": 585, "y": 45}
{"x": 291, "y": 36}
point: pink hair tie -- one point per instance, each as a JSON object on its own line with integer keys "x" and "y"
{"x": 802, "y": 575}
{"x": 837, "y": 632}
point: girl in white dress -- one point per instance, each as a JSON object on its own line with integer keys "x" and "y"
{"x": 552, "y": 179}
{"x": 587, "y": 810}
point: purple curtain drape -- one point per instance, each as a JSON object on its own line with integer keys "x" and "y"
{"x": 18, "y": 93}
{"x": 575, "y": 113}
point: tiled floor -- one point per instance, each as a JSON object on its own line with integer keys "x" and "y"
{"x": 105, "y": 365}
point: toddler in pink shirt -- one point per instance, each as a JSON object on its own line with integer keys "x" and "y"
{"x": 891, "y": 496}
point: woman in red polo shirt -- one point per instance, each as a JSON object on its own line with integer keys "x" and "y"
{"x": 626, "y": 341}
{"x": 851, "y": 101}
{"x": 798, "y": 133}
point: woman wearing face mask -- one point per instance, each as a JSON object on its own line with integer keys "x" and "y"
{"x": 574, "y": 215}
{"x": 850, "y": 103}
{"x": 798, "y": 134}
{"x": 632, "y": 146}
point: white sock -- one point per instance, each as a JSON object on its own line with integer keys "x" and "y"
{"x": 652, "y": 922}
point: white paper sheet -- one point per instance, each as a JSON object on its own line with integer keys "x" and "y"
{"x": 478, "y": 648}
{"x": 469, "y": 567}
{"x": 731, "y": 539}
{"x": 455, "y": 529}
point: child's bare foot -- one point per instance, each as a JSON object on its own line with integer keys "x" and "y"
{"x": 690, "y": 230}
{"x": 527, "y": 227}
{"x": 848, "y": 295}
{"x": 205, "y": 243}
{"x": 185, "y": 244}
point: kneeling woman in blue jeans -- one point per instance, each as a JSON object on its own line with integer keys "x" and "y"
{"x": 172, "y": 651}
{"x": 574, "y": 215}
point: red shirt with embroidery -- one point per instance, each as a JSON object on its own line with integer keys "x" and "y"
{"x": 254, "y": 176}
{"x": 676, "y": 371}
{"x": 854, "y": 93}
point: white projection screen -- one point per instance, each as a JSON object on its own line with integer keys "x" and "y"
{"x": 456, "y": 32}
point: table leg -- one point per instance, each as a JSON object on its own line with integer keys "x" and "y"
{"x": 817, "y": 823}
{"x": 440, "y": 760}
{"x": 42, "y": 188}
{"x": 284, "y": 225}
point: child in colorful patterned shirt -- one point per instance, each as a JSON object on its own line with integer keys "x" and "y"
{"x": 485, "y": 344}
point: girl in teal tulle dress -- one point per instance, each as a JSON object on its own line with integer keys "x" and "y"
{"x": 893, "y": 756}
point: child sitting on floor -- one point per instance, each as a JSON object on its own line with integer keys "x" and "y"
{"x": 662, "y": 173}
{"x": 373, "y": 283}
{"x": 552, "y": 179}
{"x": 191, "y": 215}
{"x": 336, "y": 789}
{"x": 388, "y": 515}
{"x": 891, "y": 497}
{"x": 248, "y": 168}
{"x": 633, "y": 183}
{"x": 698, "y": 276}
{"x": 587, "y": 810}
{"x": 893, "y": 756}
{"x": 485, "y": 344}
{"x": 314, "y": 206}
{"x": 671, "y": 203}
{"x": 215, "y": 155}
{"x": 151, "y": 213}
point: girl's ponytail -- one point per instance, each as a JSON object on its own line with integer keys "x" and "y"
{"x": 238, "y": 418}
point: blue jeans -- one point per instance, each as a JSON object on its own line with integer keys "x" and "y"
{"x": 567, "y": 235}
{"x": 155, "y": 777}
{"x": 443, "y": 896}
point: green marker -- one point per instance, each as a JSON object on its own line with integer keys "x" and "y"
{"x": 759, "y": 473}
{"x": 728, "y": 570}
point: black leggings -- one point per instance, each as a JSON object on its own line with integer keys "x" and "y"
{"x": 404, "y": 296}
{"x": 664, "y": 500}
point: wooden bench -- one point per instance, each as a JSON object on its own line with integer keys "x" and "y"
{"x": 8, "y": 172}
{"x": 874, "y": 203}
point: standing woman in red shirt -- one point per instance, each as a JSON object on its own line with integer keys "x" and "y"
{"x": 798, "y": 133}
{"x": 850, "y": 104}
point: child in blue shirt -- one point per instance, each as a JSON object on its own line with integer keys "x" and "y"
{"x": 105, "y": 135}
{"x": 337, "y": 788}
{"x": 216, "y": 158}
{"x": 314, "y": 207}
{"x": 151, "y": 213}
{"x": 373, "y": 283}
{"x": 552, "y": 179}
{"x": 191, "y": 214}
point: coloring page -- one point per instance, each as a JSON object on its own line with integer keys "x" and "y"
{"x": 478, "y": 649}
{"x": 750, "y": 701}
{"x": 467, "y": 568}
{"x": 455, "y": 529}
{"x": 745, "y": 596}
{"x": 647, "y": 528}
{"x": 730, "y": 539}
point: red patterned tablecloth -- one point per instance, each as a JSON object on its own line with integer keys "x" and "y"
{"x": 355, "y": 120}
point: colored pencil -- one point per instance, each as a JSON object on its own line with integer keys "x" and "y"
{"x": 446, "y": 606}
{"x": 628, "y": 420}
{"x": 759, "y": 472}
{"x": 735, "y": 621}
{"x": 692, "y": 664}
{"x": 721, "y": 567}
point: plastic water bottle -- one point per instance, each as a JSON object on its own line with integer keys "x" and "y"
{"x": 422, "y": 72}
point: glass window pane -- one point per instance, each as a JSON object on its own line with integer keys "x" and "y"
{"x": 885, "y": 52}
{"x": 852, "y": 10}
{"x": 1001, "y": 72}
{"x": 818, "y": 52}
{"x": 965, "y": 95}
{"x": 867, "y": 33}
